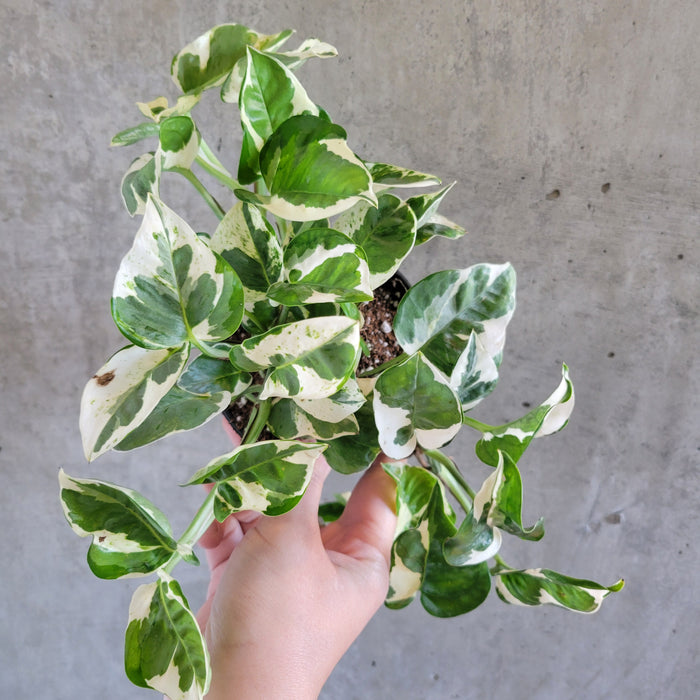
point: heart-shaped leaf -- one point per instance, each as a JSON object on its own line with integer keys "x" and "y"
{"x": 164, "y": 648}
{"x": 386, "y": 233}
{"x": 269, "y": 477}
{"x": 413, "y": 404}
{"x": 438, "y": 225}
{"x": 438, "y": 314}
{"x": 130, "y": 536}
{"x": 310, "y": 172}
{"x": 171, "y": 288}
{"x": 179, "y": 142}
{"x": 425, "y": 206}
{"x": 475, "y": 374}
{"x": 323, "y": 265}
{"x": 141, "y": 180}
{"x": 308, "y": 359}
{"x": 385, "y": 176}
{"x": 123, "y": 392}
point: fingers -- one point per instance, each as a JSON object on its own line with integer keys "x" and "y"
{"x": 370, "y": 514}
{"x": 307, "y": 509}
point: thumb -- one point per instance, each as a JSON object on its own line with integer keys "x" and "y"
{"x": 306, "y": 511}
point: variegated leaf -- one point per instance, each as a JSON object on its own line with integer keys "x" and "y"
{"x": 475, "y": 374}
{"x": 124, "y": 392}
{"x": 425, "y": 521}
{"x": 386, "y": 232}
{"x": 386, "y": 176}
{"x": 310, "y": 172}
{"x": 134, "y": 134}
{"x": 514, "y": 437}
{"x": 309, "y": 359}
{"x": 158, "y": 109}
{"x": 474, "y": 542}
{"x": 438, "y": 314}
{"x": 176, "y": 412}
{"x": 245, "y": 239}
{"x": 130, "y": 536}
{"x": 207, "y": 61}
{"x": 318, "y": 419}
{"x": 171, "y": 287}
{"x": 323, "y": 265}
{"x": 425, "y": 206}
{"x": 164, "y": 648}
{"x": 179, "y": 142}
{"x": 546, "y": 587}
{"x": 310, "y": 48}
{"x": 499, "y": 501}
{"x": 270, "y": 95}
{"x": 438, "y": 225}
{"x": 413, "y": 404}
{"x": 206, "y": 376}
{"x": 330, "y": 511}
{"x": 141, "y": 180}
{"x": 269, "y": 477}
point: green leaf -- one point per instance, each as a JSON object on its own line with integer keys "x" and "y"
{"x": 207, "y": 376}
{"x": 310, "y": 172}
{"x": 171, "y": 287}
{"x": 386, "y": 232}
{"x": 207, "y": 61}
{"x": 330, "y": 511}
{"x": 437, "y": 225}
{"x": 499, "y": 501}
{"x": 179, "y": 142}
{"x": 130, "y": 536}
{"x": 546, "y": 587}
{"x": 474, "y": 542}
{"x": 424, "y": 206}
{"x": 438, "y": 314}
{"x": 318, "y": 419}
{"x": 322, "y": 265}
{"x": 413, "y": 404}
{"x": 270, "y": 94}
{"x": 245, "y": 239}
{"x": 269, "y": 477}
{"x": 124, "y": 392}
{"x": 309, "y": 359}
{"x": 164, "y": 648}
{"x": 386, "y": 176}
{"x": 176, "y": 412}
{"x": 475, "y": 374}
{"x": 134, "y": 134}
{"x": 140, "y": 180}
{"x": 514, "y": 437}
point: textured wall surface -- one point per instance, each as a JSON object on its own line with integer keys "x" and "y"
{"x": 515, "y": 99}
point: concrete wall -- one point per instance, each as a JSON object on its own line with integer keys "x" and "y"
{"x": 514, "y": 99}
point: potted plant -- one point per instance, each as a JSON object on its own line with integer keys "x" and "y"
{"x": 290, "y": 318}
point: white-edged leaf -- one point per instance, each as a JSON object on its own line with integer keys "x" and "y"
{"x": 178, "y": 142}
{"x": 130, "y": 536}
{"x": 310, "y": 172}
{"x": 164, "y": 648}
{"x": 158, "y": 109}
{"x": 386, "y": 233}
{"x": 141, "y": 180}
{"x": 438, "y": 225}
{"x": 171, "y": 287}
{"x": 123, "y": 392}
{"x": 206, "y": 376}
{"x": 269, "y": 477}
{"x": 413, "y": 404}
{"x": 134, "y": 134}
{"x": 475, "y": 374}
{"x": 245, "y": 239}
{"x": 438, "y": 314}
{"x": 270, "y": 94}
{"x": 385, "y": 176}
{"x": 310, "y": 48}
{"x": 545, "y": 587}
{"x": 310, "y": 359}
{"x": 208, "y": 60}
{"x": 426, "y": 205}
{"x": 514, "y": 437}
{"x": 323, "y": 265}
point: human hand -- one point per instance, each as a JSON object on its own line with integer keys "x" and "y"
{"x": 288, "y": 597}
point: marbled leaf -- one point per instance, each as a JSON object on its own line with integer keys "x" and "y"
{"x": 140, "y": 180}
{"x": 385, "y": 176}
{"x": 178, "y": 142}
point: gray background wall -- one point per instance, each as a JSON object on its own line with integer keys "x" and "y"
{"x": 512, "y": 98}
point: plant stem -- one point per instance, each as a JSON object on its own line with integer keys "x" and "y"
{"x": 256, "y": 427}
{"x": 214, "y": 167}
{"x": 450, "y": 474}
{"x": 477, "y": 425}
{"x": 208, "y": 198}
{"x": 384, "y": 366}
{"x": 201, "y": 521}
